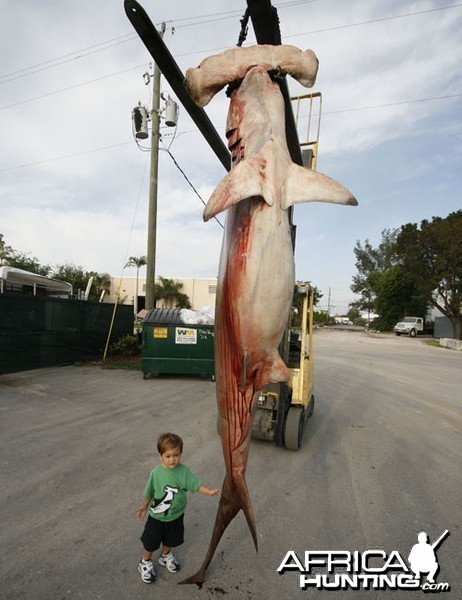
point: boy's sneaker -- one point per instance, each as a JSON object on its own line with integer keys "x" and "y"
{"x": 146, "y": 570}
{"x": 169, "y": 562}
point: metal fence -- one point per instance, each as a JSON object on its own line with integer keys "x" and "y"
{"x": 41, "y": 332}
{"x": 444, "y": 328}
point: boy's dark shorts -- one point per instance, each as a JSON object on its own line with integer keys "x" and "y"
{"x": 168, "y": 533}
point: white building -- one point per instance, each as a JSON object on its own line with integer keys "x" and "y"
{"x": 201, "y": 292}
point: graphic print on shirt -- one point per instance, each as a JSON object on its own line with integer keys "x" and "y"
{"x": 162, "y": 505}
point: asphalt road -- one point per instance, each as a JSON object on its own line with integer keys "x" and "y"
{"x": 381, "y": 462}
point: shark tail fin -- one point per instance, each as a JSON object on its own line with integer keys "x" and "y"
{"x": 306, "y": 185}
{"x": 234, "y": 497}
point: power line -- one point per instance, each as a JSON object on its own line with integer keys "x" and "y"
{"x": 370, "y": 21}
{"x": 232, "y": 14}
{"x": 71, "y": 87}
{"x": 430, "y": 99}
{"x": 70, "y": 56}
{"x": 111, "y": 43}
{"x": 140, "y": 189}
{"x": 122, "y": 39}
{"x": 188, "y": 180}
{"x": 208, "y": 18}
{"x": 332, "y": 112}
{"x": 64, "y": 156}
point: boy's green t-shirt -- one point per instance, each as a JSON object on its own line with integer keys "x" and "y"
{"x": 167, "y": 488}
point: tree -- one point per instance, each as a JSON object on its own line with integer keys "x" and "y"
{"x": 101, "y": 283}
{"x": 384, "y": 283}
{"x": 396, "y": 296}
{"x": 320, "y": 318}
{"x": 297, "y": 303}
{"x": 79, "y": 279}
{"x": 369, "y": 262}
{"x": 354, "y": 314}
{"x": 68, "y": 272}
{"x": 5, "y": 251}
{"x": 138, "y": 262}
{"x": 432, "y": 257}
{"x": 169, "y": 291}
{"x": 19, "y": 260}
{"x": 73, "y": 274}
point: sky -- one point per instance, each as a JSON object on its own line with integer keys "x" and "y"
{"x": 74, "y": 184}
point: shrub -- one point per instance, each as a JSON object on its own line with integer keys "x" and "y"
{"x": 381, "y": 324}
{"x": 125, "y": 346}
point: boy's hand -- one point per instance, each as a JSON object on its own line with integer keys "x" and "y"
{"x": 141, "y": 513}
{"x": 209, "y": 492}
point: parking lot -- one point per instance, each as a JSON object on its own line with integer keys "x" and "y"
{"x": 381, "y": 462}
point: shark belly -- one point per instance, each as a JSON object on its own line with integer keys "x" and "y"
{"x": 255, "y": 288}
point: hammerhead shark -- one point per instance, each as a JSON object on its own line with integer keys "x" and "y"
{"x": 256, "y": 270}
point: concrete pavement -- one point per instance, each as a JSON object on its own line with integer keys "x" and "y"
{"x": 380, "y": 463}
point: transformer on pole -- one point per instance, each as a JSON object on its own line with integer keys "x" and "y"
{"x": 140, "y": 120}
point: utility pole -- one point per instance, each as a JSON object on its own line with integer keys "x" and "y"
{"x": 153, "y": 184}
{"x": 140, "y": 119}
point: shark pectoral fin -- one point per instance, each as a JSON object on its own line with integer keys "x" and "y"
{"x": 243, "y": 181}
{"x": 274, "y": 371}
{"x": 305, "y": 185}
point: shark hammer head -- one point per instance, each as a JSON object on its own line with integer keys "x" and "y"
{"x": 216, "y": 71}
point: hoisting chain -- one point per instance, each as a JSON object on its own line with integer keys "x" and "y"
{"x": 244, "y": 27}
{"x": 275, "y": 74}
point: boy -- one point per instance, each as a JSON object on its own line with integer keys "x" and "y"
{"x": 165, "y": 503}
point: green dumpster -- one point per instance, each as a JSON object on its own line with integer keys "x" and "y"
{"x": 171, "y": 346}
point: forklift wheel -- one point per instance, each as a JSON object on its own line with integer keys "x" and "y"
{"x": 293, "y": 429}
{"x": 310, "y": 407}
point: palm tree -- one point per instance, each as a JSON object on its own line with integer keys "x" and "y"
{"x": 168, "y": 290}
{"x": 138, "y": 262}
{"x": 101, "y": 283}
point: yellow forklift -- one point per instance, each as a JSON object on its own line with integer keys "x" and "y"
{"x": 283, "y": 408}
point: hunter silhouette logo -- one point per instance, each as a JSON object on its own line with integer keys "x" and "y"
{"x": 423, "y": 557}
{"x": 372, "y": 569}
